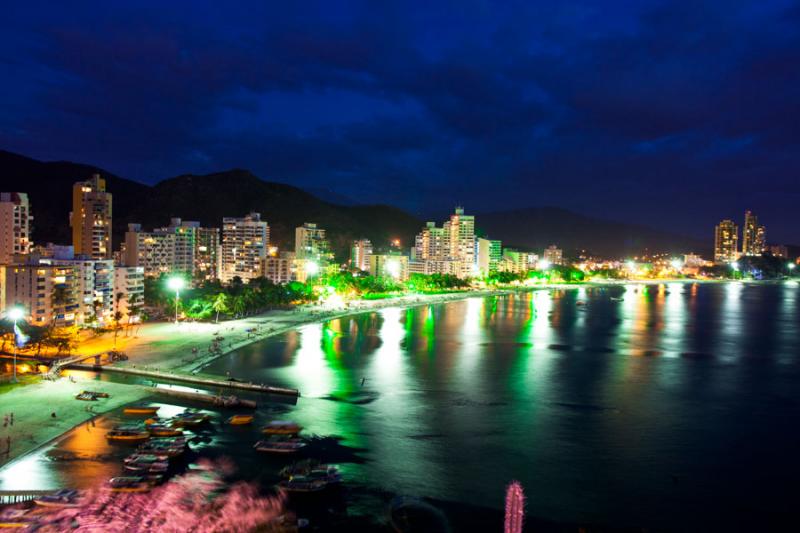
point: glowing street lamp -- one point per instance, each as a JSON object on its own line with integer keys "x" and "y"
{"x": 677, "y": 264}
{"x": 792, "y": 266}
{"x": 176, "y": 283}
{"x": 15, "y": 313}
{"x": 312, "y": 269}
{"x": 544, "y": 264}
{"x": 735, "y": 266}
{"x": 393, "y": 268}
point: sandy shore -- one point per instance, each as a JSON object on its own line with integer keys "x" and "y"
{"x": 33, "y": 405}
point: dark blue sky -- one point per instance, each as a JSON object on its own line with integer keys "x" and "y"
{"x": 673, "y": 114}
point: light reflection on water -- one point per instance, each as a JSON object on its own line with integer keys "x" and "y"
{"x": 655, "y": 405}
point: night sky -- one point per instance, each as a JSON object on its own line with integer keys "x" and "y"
{"x": 672, "y": 114}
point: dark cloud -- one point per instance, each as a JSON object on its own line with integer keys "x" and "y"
{"x": 667, "y": 113}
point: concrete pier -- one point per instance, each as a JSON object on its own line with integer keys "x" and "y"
{"x": 195, "y": 380}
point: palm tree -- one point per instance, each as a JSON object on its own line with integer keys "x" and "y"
{"x": 133, "y": 309}
{"x": 220, "y": 304}
{"x": 239, "y": 305}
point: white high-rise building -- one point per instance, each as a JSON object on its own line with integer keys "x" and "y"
{"x": 15, "y": 225}
{"x": 245, "y": 242}
{"x": 446, "y": 250}
{"x": 359, "y": 254}
{"x": 154, "y": 252}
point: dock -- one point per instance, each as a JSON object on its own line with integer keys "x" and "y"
{"x": 17, "y": 496}
{"x": 231, "y": 402}
{"x": 194, "y": 380}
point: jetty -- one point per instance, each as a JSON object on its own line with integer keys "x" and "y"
{"x": 184, "y": 378}
{"x": 18, "y": 496}
{"x": 231, "y": 402}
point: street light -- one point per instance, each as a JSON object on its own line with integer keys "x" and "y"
{"x": 792, "y": 266}
{"x": 15, "y": 313}
{"x": 312, "y": 269}
{"x": 544, "y": 264}
{"x": 176, "y": 284}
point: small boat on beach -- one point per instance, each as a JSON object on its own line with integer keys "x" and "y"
{"x": 96, "y": 394}
{"x": 128, "y": 484}
{"x": 302, "y": 484}
{"x": 240, "y": 420}
{"x": 86, "y": 397}
{"x": 62, "y": 499}
{"x": 314, "y": 470}
{"x": 140, "y": 410}
{"x": 282, "y": 427}
{"x": 280, "y": 445}
{"x": 146, "y": 465}
{"x": 129, "y": 435}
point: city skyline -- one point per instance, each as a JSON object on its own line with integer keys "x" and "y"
{"x": 568, "y": 106}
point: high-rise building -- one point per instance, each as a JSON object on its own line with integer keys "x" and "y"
{"x": 185, "y": 232}
{"x": 90, "y": 218}
{"x": 460, "y": 230}
{"x": 490, "y": 252}
{"x": 245, "y": 242}
{"x": 754, "y": 236}
{"x": 359, "y": 253}
{"x": 129, "y": 283}
{"x": 15, "y": 225}
{"x": 154, "y": 252}
{"x": 279, "y": 268}
{"x": 310, "y": 243}
{"x": 553, "y": 255}
{"x": 48, "y": 294}
{"x": 726, "y": 242}
{"x": 513, "y": 261}
{"x": 207, "y": 255}
{"x": 446, "y": 250}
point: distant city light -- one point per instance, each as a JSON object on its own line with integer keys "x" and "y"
{"x": 677, "y": 264}
{"x": 544, "y": 264}
{"x": 792, "y": 266}
{"x": 630, "y": 264}
{"x": 15, "y": 313}
{"x": 735, "y": 266}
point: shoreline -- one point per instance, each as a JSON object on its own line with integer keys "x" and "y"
{"x": 164, "y": 349}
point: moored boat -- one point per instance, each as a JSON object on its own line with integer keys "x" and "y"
{"x": 282, "y": 427}
{"x": 62, "y": 498}
{"x": 280, "y": 445}
{"x": 130, "y": 435}
{"x": 162, "y": 430}
{"x": 240, "y": 420}
{"x": 190, "y": 418}
{"x": 302, "y": 484}
{"x": 128, "y": 484}
{"x": 140, "y": 410}
{"x": 146, "y": 466}
{"x": 169, "y": 447}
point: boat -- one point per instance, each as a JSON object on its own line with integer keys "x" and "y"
{"x": 163, "y": 450}
{"x": 162, "y": 430}
{"x": 314, "y": 470}
{"x": 240, "y": 420}
{"x": 190, "y": 418}
{"x": 86, "y": 397}
{"x": 282, "y": 445}
{"x": 62, "y": 498}
{"x": 140, "y": 410}
{"x": 96, "y": 394}
{"x": 128, "y": 484}
{"x": 282, "y": 427}
{"x": 302, "y": 484}
{"x": 131, "y": 435}
{"x": 147, "y": 465}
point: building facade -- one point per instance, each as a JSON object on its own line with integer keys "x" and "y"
{"x": 207, "y": 255}
{"x": 15, "y": 225}
{"x": 90, "y": 218}
{"x": 359, "y": 253}
{"x": 446, "y": 250}
{"x": 245, "y": 242}
{"x": 392, "y": 266}
{"x": 154, "y": 252}
{"x": 489, "y": 254}
{"x": 726, "y": 242}
{"x": 553, "y": 255}
{"x": 128, "y": 291}
{"x": 754, "y": 236}
{"x": 279, "y": 268}
{"x": 47, "y": 294}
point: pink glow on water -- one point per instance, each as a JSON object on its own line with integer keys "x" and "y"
{"x": 515, "y": 508}
{"x": 197, "y": 502}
